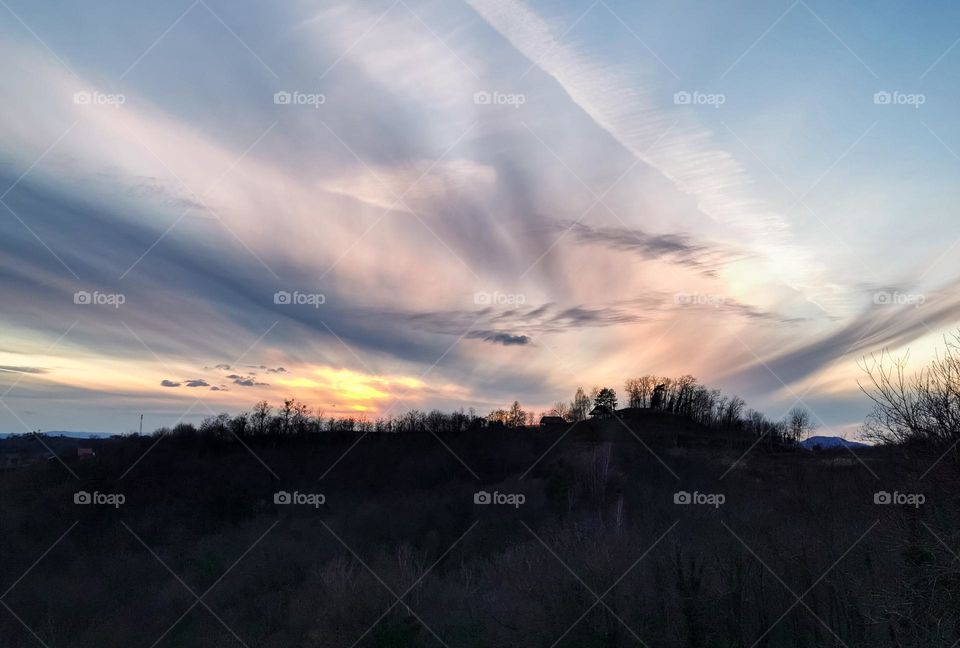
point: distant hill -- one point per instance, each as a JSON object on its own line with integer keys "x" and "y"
{"x": 62, "y": 433}
{"x": 830, "y": 442}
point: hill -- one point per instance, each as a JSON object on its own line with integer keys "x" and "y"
{"x": 60, "y": 433}
{"x": 489, "y": 537}
{"x": 829, "y": 443}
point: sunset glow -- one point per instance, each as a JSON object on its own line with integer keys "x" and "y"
{"x": 348, "y": 207}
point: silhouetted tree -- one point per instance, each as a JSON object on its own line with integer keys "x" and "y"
{"x": 658, "y": 399}
{"x": 607, "y": 399}
{"x": 239, "y": 425}
{"x": 580, "y": 406}
{"x": 215, "y": 427}
{"x": 924, "y": 407}
{"x": 285, "y": 415}
{"x": 685, "y": 387}
{"x": 517, "y": 418}
{"x": 733, "y": 411}
{"x": 260, "y": 416}
{"x": 639, "y": 390}
{"x": 561, "y": 409}
{"x": 499, "y": 417}
{"x": 299, "y": 417}
{"x": 798, "y": 423}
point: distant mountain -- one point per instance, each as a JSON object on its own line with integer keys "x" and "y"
{"x": 830, "y": 442}
{"x": 62, "y": 433}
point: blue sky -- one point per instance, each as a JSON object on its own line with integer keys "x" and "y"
{"x": 467, "y": 202}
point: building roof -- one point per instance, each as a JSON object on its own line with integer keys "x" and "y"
{"x": 552, "y": 419}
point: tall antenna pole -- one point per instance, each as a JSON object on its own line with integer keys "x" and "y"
{"x": 141, "y": 425}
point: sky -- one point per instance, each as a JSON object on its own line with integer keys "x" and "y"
{"x": 383, "y": 205}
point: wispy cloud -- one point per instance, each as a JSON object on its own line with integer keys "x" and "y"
{"x": 623, "y": 105}
{"x": 23, "y": 370}
{"x": 681, "y": 249}
{"x": 877, "y": 327}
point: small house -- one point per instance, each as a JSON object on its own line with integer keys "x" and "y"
{"x": 601, "y": 412}
{"x": 86, "y": 452}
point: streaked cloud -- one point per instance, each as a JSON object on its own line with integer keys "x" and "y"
{"x": 592, "y": 230}
{"x": 675, "y": 248}
{"x": 23, "y": 370}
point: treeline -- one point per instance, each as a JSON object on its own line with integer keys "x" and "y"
{"x": 920, "y": 409}
{"x": 682, "y": 396}
{"x": 296, "y": 418}
{"x": 686, "y": 397}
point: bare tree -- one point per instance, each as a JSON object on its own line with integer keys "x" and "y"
{"x": 561, "y": 409}
{"x": 260, "y": 416}
{"x": 300, "y": 417}
{"x": 686, "y": 386}
{"x": 517, "y": 418}
{"x": 658, "y": 398}
{"x": 733, "y": 411}
{"x": 924, "y": 407}
{"x": 580, "y": 406}
{"x": 499, "y": 417}
{"x": 639, "y": 390}
{"x": 239, "y": 425}
{"x": 799, "y": 423}
{"x": 285, "y": 414}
